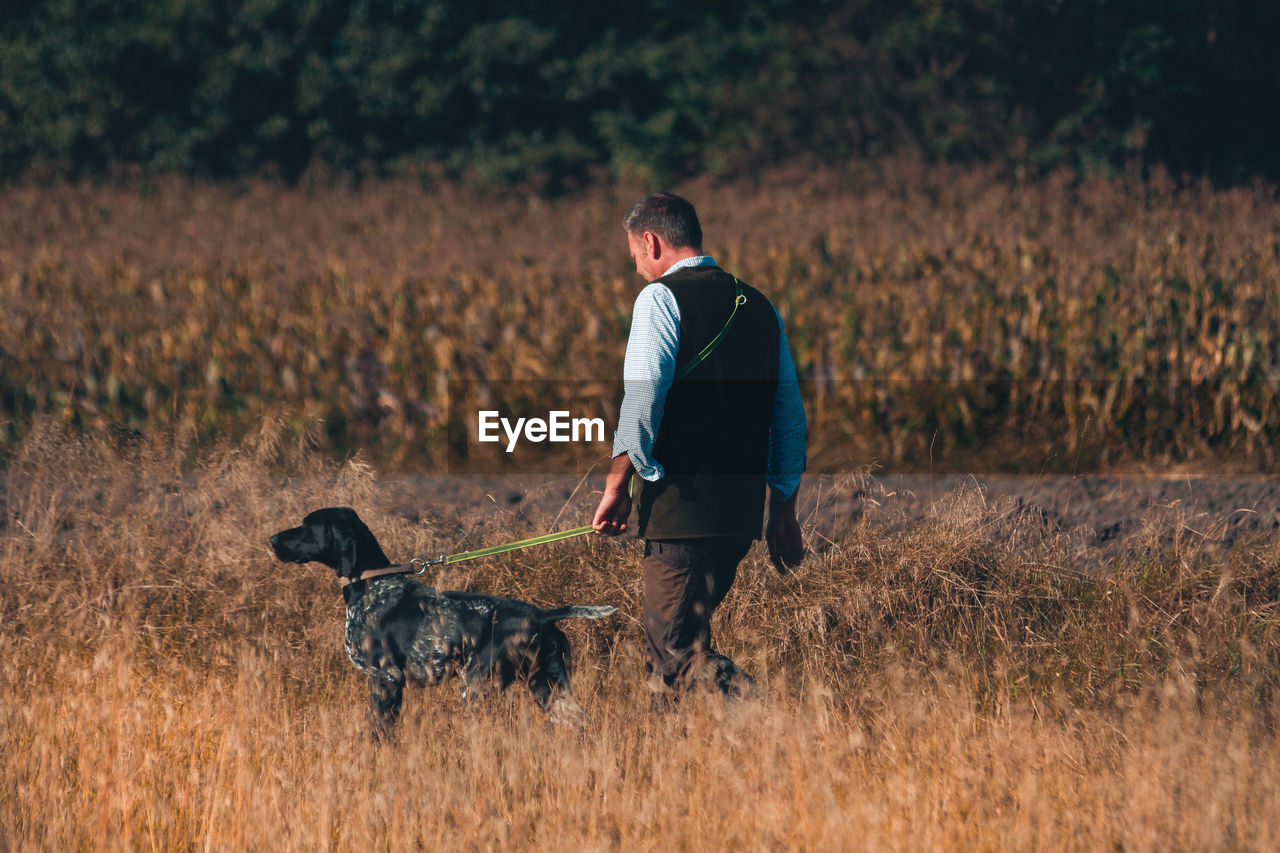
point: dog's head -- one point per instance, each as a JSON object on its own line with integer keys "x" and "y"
{"x": 334, "y": 536}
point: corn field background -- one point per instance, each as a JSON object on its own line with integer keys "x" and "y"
{"x": 941, "y": 319}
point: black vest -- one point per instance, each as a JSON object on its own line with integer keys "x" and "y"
{"x": 713, "y": 439}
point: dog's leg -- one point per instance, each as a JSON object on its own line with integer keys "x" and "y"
{"x": 385, "y": 696}
{"x": 564, "y": 710}
{"x": 487, "y": 670}
{"x": 549, "y": 680}
{"x": 549, "y": 667}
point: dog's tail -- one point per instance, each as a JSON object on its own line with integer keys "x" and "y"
{"x": 578, "y": 612}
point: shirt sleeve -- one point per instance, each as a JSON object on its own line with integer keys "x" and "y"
{"x": 787, "y": 426}
{"x": 647, "y": 373}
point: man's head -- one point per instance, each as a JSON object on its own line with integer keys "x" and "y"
{"x": 662, "y": 229}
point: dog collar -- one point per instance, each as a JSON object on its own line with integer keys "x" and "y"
{"x": 399, "y": 569}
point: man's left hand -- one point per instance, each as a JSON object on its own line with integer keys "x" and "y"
{"x": 782, "y": 535}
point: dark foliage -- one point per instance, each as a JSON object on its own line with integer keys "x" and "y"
{"x": 546, "y": 94}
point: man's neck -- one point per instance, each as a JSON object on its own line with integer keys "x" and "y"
{"x": 674, "y": 256}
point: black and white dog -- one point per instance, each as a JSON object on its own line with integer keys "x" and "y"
{"x": 402, "y": 632}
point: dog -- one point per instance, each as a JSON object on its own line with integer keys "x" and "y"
{"x": 403, "y": 632}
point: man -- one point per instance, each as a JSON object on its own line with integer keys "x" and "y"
{"x": 703, "y": 444}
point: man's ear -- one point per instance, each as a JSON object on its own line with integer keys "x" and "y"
{"x": 652, "y": 244}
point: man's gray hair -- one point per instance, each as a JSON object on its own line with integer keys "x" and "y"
{"x": 669, "y": 216}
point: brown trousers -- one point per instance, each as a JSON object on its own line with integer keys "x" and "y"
{"x": 684, "y": 581}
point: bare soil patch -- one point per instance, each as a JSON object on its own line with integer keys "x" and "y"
{"x": 1103, "y": 512}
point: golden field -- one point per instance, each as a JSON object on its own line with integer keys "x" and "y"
{"x": 976, "y": 677}
{"x": 939, "y": 317}
{"x": 183, "y": 365}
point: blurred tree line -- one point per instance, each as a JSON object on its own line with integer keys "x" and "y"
{"x": 552, "y": 93}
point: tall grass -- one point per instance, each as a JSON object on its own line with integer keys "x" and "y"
{"x": 938, "y": 316}
{"x": 977, "y": 678}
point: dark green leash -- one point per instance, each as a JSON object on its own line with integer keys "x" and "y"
{"x": 447, "y": 560}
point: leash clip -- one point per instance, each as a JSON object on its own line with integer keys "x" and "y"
{"x": 421, "y": 564}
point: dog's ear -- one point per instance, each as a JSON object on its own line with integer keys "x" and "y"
{"x": 348, "y": 557}
{"x": 353, "y": 547}
{"x": 369, "y": 552}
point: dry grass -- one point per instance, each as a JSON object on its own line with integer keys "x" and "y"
{"x": 979, "y": 678}
{"x": 956, "y": 682}
{"x": 938, "y": 316}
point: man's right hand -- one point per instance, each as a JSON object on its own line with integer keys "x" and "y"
{"x": 612, "y": 514}
{"x": 615, "y": 506}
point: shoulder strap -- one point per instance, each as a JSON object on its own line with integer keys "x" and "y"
{"x": 738, "y": 300}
